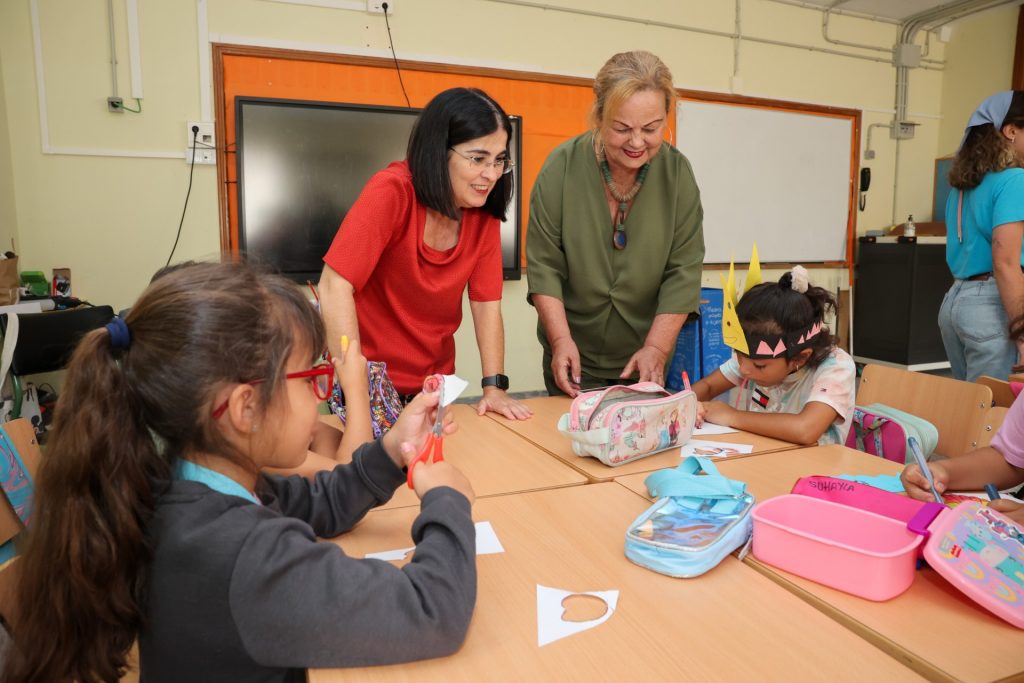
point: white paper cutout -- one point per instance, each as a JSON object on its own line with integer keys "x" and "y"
{"x": 487, "y": 543}
{"x": 713, "y": 449}
{"x": 453, "y": 386}
{"x": 709, "y": 429}
{"x": 550, "y": 624}
{"x": 390, "y": 555}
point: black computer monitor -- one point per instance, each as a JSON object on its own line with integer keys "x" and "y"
{"x": 301, "y": 166}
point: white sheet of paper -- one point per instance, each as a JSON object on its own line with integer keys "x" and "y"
{"x": 551, "y": 626}
{"x": 708, "y": 429}
{"x": 453, "y": 387}
{"x": 390, "y": 555}
{"x": 487, "y": 543}
{"x": 713, "y": 449}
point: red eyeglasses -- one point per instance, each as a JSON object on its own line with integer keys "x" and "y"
{"x": 320, "y": 376}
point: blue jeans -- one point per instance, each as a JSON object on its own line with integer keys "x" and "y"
{"x": 974, "y": 330}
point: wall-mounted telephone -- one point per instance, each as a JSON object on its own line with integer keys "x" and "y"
{"x": 865, "y": 183}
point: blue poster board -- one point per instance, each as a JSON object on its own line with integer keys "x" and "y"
{"x": 699, "y": 347}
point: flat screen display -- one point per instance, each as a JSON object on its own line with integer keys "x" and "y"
{"x": 301, "y": 166}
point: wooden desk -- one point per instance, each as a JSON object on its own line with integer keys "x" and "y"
{"x": 932, "y": 627}
{"x": 730, "y": 624}
{"x": 774, "y": 474}
{"x": 542, "y": 430}
{"x": 495, "y": 461}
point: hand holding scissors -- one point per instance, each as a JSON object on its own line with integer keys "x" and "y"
{"x": 433, "y": 449}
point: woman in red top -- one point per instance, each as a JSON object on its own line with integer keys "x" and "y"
{"x": 421, "y": 231}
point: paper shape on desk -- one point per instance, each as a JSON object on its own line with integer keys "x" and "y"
{"x": 453, "y": 387}
{"x": 550, "y": 624}
{"x": 714, "y": 449}
{"x": 709, "y": 429}
{"x": 390, "y": 555}
{"x": 487, "y": 543}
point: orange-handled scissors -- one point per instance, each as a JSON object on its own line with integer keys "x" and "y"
{"x": 434, "y": 447}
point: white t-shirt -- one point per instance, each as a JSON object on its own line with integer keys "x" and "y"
{"x": 832, "y": 383}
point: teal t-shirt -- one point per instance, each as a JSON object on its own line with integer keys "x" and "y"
{"x": 998, "y": 200}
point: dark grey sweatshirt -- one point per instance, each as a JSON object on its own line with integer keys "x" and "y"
{"x": 244, "y": 592}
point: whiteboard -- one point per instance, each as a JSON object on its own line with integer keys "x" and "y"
{"x": 780, "y": 178}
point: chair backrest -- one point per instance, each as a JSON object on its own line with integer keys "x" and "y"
{"x": 993, "y": 421}
{"x": 22, "y": 436}
{"x": 1002, "y": 394}
{"x": 46, "y": 340}
{"x": 957, "y": 409}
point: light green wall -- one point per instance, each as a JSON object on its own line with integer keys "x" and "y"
{"x": 112, "y": 220}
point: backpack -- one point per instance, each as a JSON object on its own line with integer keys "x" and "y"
{"x": 882, "y": 430}
{"x": 700, "y": 517}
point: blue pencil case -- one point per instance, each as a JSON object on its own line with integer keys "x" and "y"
{"x": 699, "y": 518}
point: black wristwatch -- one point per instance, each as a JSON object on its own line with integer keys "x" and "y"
{"x": 500, "y": 381}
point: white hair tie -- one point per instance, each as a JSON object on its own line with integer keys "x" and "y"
{"x": 800, "y": 279}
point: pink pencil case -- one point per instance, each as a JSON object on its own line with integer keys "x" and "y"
{"x": 977, "y": 549}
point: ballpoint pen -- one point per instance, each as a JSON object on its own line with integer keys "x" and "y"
{"x": 923, "y": 464}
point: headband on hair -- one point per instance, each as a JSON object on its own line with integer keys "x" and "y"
{"x": 120, "y": 337}
{"x": 770, "y": 345}
{"x": 993, "y": 110}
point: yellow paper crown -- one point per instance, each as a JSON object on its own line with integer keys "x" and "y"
{"x": 732, "y": 333}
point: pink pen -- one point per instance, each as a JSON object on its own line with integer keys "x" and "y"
{"x": 686, "y": 381}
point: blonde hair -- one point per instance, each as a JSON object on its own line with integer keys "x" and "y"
{"x": 624, "y": 75}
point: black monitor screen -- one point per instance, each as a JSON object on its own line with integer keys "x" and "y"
{"x": 301, "y": 165}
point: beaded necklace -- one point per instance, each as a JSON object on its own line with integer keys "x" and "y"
{"x": 619, "y": 235}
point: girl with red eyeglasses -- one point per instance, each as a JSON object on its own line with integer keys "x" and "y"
{"x": 152, "y": 521}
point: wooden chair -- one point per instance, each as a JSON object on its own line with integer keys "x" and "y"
{"x": 957, "y": 409}
{"x": 993, "y": 421}
{"x": 1002, "y": 395}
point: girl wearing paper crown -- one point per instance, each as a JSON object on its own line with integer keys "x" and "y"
{"x": 787, "y": 378}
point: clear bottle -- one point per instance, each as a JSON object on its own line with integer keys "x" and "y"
{"x": 910, "y": 230}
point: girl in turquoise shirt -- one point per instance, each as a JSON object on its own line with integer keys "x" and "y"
{"x": 985, "y": 225}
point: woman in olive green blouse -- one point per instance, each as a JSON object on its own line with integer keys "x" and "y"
{"x": 615, "y": 245}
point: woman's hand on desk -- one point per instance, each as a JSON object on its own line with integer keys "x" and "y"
{"x": 701, "y": 414}
{"x": 916, "y": 485}
{"x": 498, "y": 401}
{"x": 649, "y": 361}
{"x": 565, "y": 366}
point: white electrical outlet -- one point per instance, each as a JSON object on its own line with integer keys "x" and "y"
{"x": 204, "y": 138}
{"x": 204, "y": 155}
{"x": 377, "y": 6}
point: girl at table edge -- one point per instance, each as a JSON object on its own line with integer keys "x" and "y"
{"x": 421, "y": 231}
{"x": 615, "y": 251}
{"x": 1000, "y": 463}
{"x": 152, "y": 522}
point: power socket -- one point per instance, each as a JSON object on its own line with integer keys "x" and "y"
{"x": 115, "y": 105}
{"x": 204, "y": 155}
{"x": 203, "y": 138}
{"x": 377, "y": 6}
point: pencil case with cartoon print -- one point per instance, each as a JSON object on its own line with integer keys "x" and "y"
{"x": 622, "y": 423}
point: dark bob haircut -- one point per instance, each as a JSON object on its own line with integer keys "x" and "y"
{"x": 451, "y": 118}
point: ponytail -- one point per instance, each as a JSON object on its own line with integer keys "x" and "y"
{"x": 79, "y": 591}
{"x": 138, "y": 395}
